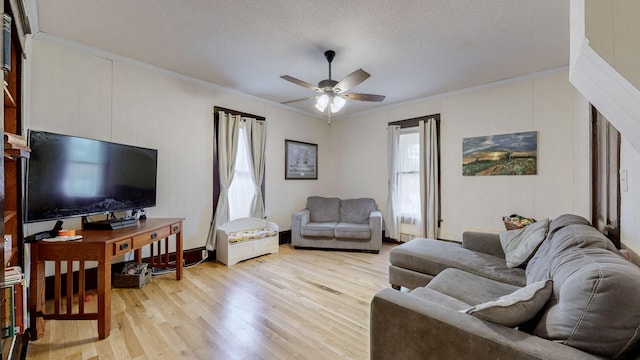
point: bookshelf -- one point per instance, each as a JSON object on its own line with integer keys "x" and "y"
{"x": 12, "y": 287}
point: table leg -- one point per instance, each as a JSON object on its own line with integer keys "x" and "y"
{"x": 36, "y": 295}
{"x": 104, "y": 299}
{"x": 179, "y": 255}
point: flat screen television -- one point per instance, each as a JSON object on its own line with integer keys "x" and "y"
{"x": 70, "y": 176}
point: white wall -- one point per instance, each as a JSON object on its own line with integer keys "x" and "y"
{"x": 604, "y": 58}
{"x": 630, "y": 199}
{"x": 92, "y": 95}
{"x": 543, "y": 103}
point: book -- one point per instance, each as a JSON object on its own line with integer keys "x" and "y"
{"x": 14, "y": 139}
{"x": 19, "y": 307}
{"x": 63, "y": 238}
{"x": 8, "y": 323}
{"x": 8, "y": 145}
{"x": 6, "y": 36}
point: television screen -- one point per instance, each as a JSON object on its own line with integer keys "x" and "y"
{"x": 69, "y": 176}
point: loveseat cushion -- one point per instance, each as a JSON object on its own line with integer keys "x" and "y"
{"x": 318, "y": 229}
{"x": 323, "y": 209}
{"x": 596, "y": 292}
{"x": 345, "y": 230}
{"x": 357, "y": 210}
{"x": 429, "y": 256}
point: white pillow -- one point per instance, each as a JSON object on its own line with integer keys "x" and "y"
{"x": 520, "y": 245}
{"x": 515, "y": 308}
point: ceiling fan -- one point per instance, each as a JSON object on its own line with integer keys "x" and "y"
{"x": 333, "y": 94}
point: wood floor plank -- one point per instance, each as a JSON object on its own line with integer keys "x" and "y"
{"x": 297, "y": 304}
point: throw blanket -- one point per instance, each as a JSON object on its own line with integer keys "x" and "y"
{"x": 244, "y": 235}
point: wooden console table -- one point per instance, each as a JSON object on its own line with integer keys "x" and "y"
{"x": 100, "y": 246}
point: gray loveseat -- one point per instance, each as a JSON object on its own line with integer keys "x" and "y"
{"x": 588, "y": 306}
{"x": 332, "y": 223}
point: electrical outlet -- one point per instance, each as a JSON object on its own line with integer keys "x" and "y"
{"x": 205, "y": 254}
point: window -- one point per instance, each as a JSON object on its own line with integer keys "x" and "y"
{"x": 242, "y": 189}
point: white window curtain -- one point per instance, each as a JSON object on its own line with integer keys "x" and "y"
{"x": 391, "y": 223}
{"x": 257, "y": 136}
{"x": 429, "y": 190}
{"x": 228, "y": 132}
{"x": 403, "y": 213}
{"x": 242, "y": 188}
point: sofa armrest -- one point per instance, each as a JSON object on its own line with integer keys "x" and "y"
{"x": 404, "y": 326}
{"x": 488, "y": 243}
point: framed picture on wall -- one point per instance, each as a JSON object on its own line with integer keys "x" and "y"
{"x": 504, "y": 154}
{"x": 301, "y": 160}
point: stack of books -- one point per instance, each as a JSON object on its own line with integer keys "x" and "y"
{"x": 16, "y": 145}
{"x": 14, "y": 307}
{"x": 13, "y": 275}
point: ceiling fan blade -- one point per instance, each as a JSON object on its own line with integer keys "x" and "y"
{"x": 296, "y": 100}
{"x": 300, "y": 83}
{"x": 350, "y": 81}
{"x": 364, "y": 97}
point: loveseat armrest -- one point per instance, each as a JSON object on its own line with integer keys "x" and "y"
{"x": 488, "y": 243}
{"x": 375, "y": 224}
{"x": 298, "y": 220}
{"x": 404, "y": 326}
{"x": 375, "y": 220}
{"x": 301, "y": 216}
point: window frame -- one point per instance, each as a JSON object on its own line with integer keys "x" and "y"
{"x": 413, "y": 122}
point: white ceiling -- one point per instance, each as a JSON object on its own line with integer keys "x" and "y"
{"x": 412, "y": 48}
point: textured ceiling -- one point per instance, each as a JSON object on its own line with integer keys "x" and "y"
{"x": 412, "y": 48}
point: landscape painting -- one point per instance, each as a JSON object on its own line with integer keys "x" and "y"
{"x": 506, "y": 154}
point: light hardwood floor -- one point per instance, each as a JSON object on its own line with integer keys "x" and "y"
{"x": 297, "y": 304}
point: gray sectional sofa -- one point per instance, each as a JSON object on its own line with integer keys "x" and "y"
{"x": 573, "y": 297}
{"x": 332, "y": 223}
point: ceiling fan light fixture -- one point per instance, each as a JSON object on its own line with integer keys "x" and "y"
{"x": 322, "y": 102}
{"x": 334, "y": 94}
{"x": 337, "y": 103}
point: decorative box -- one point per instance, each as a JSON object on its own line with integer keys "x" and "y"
{"x": 132, "y": 275}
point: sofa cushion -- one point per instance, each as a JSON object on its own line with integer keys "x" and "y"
{"x": 515, "y": 308}
{"x": 357, "y": 210}
{"x": 323, "y": 209}
{"x": 520, "y": 245}
{"x": 318, "y": 229}
{"x": 439, "y": 298}
{"x": 430, "y": 257}
{"x": 596, "y": 292}
{"x": 345, "y": 230}
{"x": 538, "y": 266}
{"x": 469, "y": 288}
